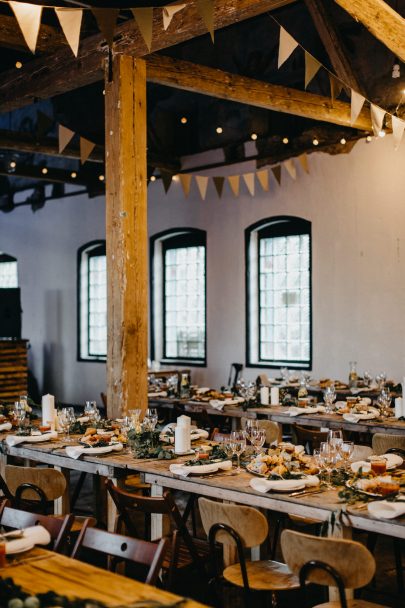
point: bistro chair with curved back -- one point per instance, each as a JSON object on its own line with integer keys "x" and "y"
{"x": 237, "y": 528}
{"x": 183, "y": 551}
{"x": 144, "y": 555}
{"x": 335, "y": 562}
{"x": 32, "y": 488}
{"x": 383, "y": 442}
{"x": 59, "y": 529}
{"x": 273, "y": 429}
{"x": 309, "y": 437}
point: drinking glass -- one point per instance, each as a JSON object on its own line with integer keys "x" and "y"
{"x": 327, "y": 455}
{"x": 152, "y": 416}
{"x": 384, "y": 401}
{"x": 258, "y": 439}
{"x": 90, "y": 409}
{"x": 238, "y": 444}
{"x": 68, "y": 418}
{"x": 251, "y": 425}
{"x": 20, "y": 413}
{"x": 367, "y": 378}
{"x": 335, "y": 438}
{"x": 126, "y": 426}
{"x": 227, "y": 447}
{"x": 135, "y": 415}
{"x": 346, "y": 449}
{"x": 329, "y": 396}
{"x": 378, "y": 464}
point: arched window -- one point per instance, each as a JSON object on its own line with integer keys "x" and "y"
{"x": 278, "y": 281}
{"x": 8, "y": 271}
{"x": 92, "y": 302}
{"x": 178, "y": 296}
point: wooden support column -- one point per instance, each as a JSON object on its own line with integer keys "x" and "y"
{"x": 126, "y": 235}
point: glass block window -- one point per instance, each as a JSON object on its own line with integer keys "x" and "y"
{"x": 93, "y": 302}
{"x": 8, "y": 271}
{"x": 179, "y": 310}
{"x": 279, "y": 304}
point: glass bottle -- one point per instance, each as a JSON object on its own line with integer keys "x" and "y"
{"x": 353, "y": 376}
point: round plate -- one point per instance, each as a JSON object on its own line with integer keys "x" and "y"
{"x": 373, "y": 494}
{"x": 17, "y": 551}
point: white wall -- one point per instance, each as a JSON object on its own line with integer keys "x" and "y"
{"x": 356, "y": 204}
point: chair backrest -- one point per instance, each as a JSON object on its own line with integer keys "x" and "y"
{"x": 124, "y": 548}
{"x": 312, "y": 437}
{"x": 272, "y": 429}
{"x": 58, "y": 528}
{"x": 361, "y": 452}
{"x": 249, "y": 523}
{"x": 50, "y": 481}
{"x": 383, "y": 441}
{"x": 351, "y": 560}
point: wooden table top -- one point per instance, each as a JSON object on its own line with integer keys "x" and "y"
{"x": 39, "y": 571}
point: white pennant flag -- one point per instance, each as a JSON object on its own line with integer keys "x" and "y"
{"x": 70, "y": 20}
{"x": 291, "y": 168}
{"x": 202, "y": 183}
{"x": 169, "y": 12}
{"x": 250, "y": 182}
{"x": 357, "y": 103}
{"x": 29, "y": 20}
{"x": 398, "y": 127}
{"x": 377, "y": 118}
{"x": 286, "y": 46}
{"x": 311, "y": 68}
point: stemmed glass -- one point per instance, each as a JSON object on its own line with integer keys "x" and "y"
{"x": 327, "y": 457}
{"x": 238, "y": 446}
{"x": 346, "y": 449}
{"x": 126, "y": 426}
{"x": 258, "y": 437}
{"x": 251, "y": 425}
{"x": 66, "y": 419}
{"x": 367, "y": 378}
{"x": 384, "y": 401}
{"x": 335, "y": 438}
{"x": 20, "y": 413}
{"x": 151, "y": 418}
{"x": 329, "y": 396}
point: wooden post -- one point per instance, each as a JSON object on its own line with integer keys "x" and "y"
{"x": 126, "y": 235}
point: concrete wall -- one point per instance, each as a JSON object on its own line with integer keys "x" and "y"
{"x": 356, "y": 204}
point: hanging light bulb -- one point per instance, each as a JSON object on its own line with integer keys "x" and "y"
{"x": 153, "y": 178}
{"x": 73, "y": 175}
{"x": 253, "y": 136}
{"x": 315, "y": 141}
{"x": 368, "y": 139}
{"x": 219, "y": 130}
{"x": 183, "y": 120}
{"x": 343, "y": 141}
{"x": 285, "y": 140}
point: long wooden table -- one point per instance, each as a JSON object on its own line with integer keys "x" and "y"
{"x": 39, "y": 571}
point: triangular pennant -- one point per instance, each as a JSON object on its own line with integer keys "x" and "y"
{"x": 277, "y": 173}
{"x": 65, "y": 136}
{"x": 29, "y": 20}
{"x": 166, "y": 179}
{"x": 356, "y": 105}
{"x": 250, "y": 182}
{"x": 70, "y": 20}
{"x": 304, "y": 162}
{"x": 169, "y": 12}
{"x": 377, "y": 118}
{"x": 144, "y": 20}
{"x": 398, "y": 127}
{"x": 206, "y": 10}
{"x": 106, "y": 20}
{"x": 287, "y": 45}
{"x": 86, "y": 148}
{"x": 44, "y": 124}
{"x": 234, "y": 183}
{"x": 311, "y": 68}
{"x": 335, "y": 87}
{"x": 219, "y": 185}
{"x": 263, "y": 177}
{"x": 202, "y": 183}
{"x": 291, "y": 168}
{"x": 185, "y": 180}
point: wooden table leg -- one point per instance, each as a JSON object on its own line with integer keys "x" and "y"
{"x": 62, "y": 504}
{"x": 160, "y": 524}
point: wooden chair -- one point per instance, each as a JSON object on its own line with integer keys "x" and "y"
{"x": 344, "y": 564}
{"x": 382, "y": 442}
{"x": 273, "y": 429}
{"x": 32, "y": 488}
{"x": 309, "y": 437}
{"x": 183, "y": 552}
{"x": 59, "y": 529}
{"x": 240, "y": 527}
{"x": 118, "y": 548}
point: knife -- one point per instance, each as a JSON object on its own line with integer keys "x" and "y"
{"x": 304, "y": 492}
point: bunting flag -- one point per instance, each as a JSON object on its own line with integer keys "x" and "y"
{"x": 86, "y": 148}
{"x": 29, "y": 19}
{"x": 202, "y": 183}
{"x": 250, "y": 182}
{"x": 166, "y": 179}
{"x": 357, "y": 102}
{"x": 291, "y": 168}
{"x": 377, "y": 118}
{"x": 106, "y": 20}
{"x": 206, "y": 10}
{"x": 398, "y": 127}
{"x": 304, "y": 162}
{"x": 219, "y": 185}
{"x": 312, "y": 66}
{"x": 234, "y": 182}
{"x": 277, "y": 173}
{"x": 185, "y": 180}
{"x": 169, "y": 12}
{"x": 335, "y": 87}
{"x": 263, "y": 177}
{"x": 286, "y": 46}
{"x": 70, "y": 20}
{"x": 144, "y": 20}
{"x": 65, "y": 136}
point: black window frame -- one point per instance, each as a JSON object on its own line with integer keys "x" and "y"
{"x": 281, "y": 225}
{"x": 5, "y": 258}
{"x": 175, "y": 238}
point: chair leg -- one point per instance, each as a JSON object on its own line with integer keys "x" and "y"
{"x": 276, "y": 536}
{"x": 77, "y": 490}
{"x": 398, "y": 565}
{"x": 371, "y": 544}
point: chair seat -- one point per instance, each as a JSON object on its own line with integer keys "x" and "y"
{"x": 134, "y": 482}
{"x": 184, "y": 559}
{"x": 263, "y": 575}
{"x": 351, "y": 604}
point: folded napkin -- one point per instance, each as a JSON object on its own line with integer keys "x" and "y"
{"x": 82, "y": 419}
{"x": 217, "y": 405}
{"x": 297, "y": 411}
{"x": 35, "y": 535}
{"x": 158, "y": 394}
{"x": 13, "y": 440}
{"x": 6, "y": 426}
{"x": 194, "y": 435}
{"x": 283, "y": 485}
{"x": 357, "y": 417}
{"x": 382, "y": 509}
{"x": 184, "y": 470}
{"x": 75, "y": 451}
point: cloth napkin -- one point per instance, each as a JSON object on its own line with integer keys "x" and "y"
{"x": 35, "y": 535}
{"x": 82, "y": 419}
{"x": 216, "y": 404}
{"x": 184, "y": 470}
{"x": 357, "y": 417}
{"x": 297, "y": 411}
{"x": 265, "y": 485}
{"x": 382, "y": 509}
{"x": 6, "y": 426}
{"x": 158, "y": 394}
{"x": 13, "y": 440}
{"x": 75, "y": 451}
{"x": 194, "y": 433}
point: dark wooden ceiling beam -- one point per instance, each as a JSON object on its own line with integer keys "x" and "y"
{"x": 61, "y": 72}
{"x": 381, "y": 20}
{"x": 223, "y": 85}
{"x": 50, "y": 39}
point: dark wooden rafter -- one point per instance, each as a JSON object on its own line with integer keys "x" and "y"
{"x": 61, "y": 72}
{"x": 50, "y": 39}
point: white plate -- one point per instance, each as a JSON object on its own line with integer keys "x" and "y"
{"x": 393, "y": 461}
{"x": 22, "y": 550}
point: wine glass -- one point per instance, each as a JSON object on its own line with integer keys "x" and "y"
{"x": 258, "y": 438}
{"x": 238, "y": 445}
{"x": 126, "y": 426}
{"x": 64, "y": 423}
{"x": 251, "y": 425}
{"x": 329, "y": 396}
{"x": 20, "y": 413}
{"x": 367, "y": 378}
{"x": 152, "y": 416}
{"x": 327, "y": 457}
{"x": 346, "y": 449}
{"x": 335, "y": 438}
{"x": 384, "y": 401}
